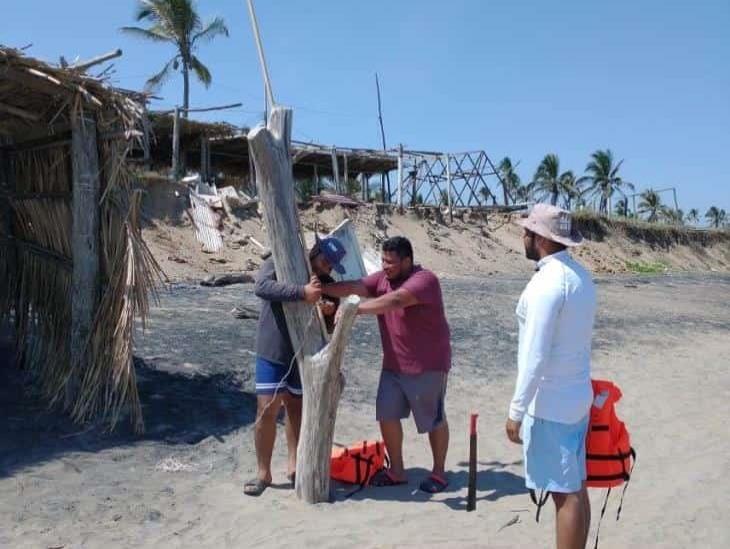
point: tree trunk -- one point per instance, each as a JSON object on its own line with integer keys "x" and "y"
{"x": 186, "y": 89}
{"x": 319, "y": 364}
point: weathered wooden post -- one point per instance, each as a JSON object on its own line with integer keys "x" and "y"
{"x": 176, "y": 144}
{"x": 319, "y": 364}
{"x": 205, "y": 159}
{"x": 448, "y": 188}
{"x": 335, "y": 171}
{"x": 400, "y": 177}
{"x": 84, "y": 242}
{"x": 345, "y": 187}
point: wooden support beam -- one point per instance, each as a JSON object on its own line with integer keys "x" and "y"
{"x": 347, "y": 175}
{"x": 400, "y": 177}
{"x": 146, "y": 129}
{"x": 319, "y": 364}
{"x": 448, "y": 187}
{"x": 176, "y": 145}
{"x": 83, "y": 65}
{"x": 204, "y": 159}
{"x": 335, "y": 171}
{"x": 84, "y": 243}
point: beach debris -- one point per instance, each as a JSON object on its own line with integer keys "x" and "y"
{"x": 244, "y": 312}
{"x": 173, "y": 465}
{"x": 227, "y": 280}
{"x": 511, "y": 522}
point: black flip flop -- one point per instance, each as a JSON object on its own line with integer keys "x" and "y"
{"x": 433, "y": 484}
{"x": 255, "y": 487}
{"x": 385, "y": 478}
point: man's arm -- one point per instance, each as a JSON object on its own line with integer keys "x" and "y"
{"x": 345, "y": 288}
{"x": 400, "y": 299}
{"x": 542, "y": 314}
{"x": 268, "y": 288}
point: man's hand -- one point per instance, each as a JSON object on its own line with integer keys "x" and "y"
{"x": 313, "y": 290}
{"x": 513, "y": 430}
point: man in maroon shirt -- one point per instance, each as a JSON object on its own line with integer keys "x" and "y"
{"x": 416, "y": 356}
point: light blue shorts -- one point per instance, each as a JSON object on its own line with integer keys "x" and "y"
{"x": 555, "y": 454}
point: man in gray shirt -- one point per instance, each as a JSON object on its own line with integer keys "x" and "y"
{"x": 277, "y": 375}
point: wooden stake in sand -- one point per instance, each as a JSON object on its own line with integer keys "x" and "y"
{"x": 471, "y": 498}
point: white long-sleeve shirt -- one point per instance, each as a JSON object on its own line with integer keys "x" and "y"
{"x": 556, "y": 314}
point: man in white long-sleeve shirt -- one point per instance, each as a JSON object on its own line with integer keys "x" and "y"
{"x": 553, "y": 393}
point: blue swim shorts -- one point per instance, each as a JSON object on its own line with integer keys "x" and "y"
{"x": 555, "y": 454}
{"x": 272, "y": 377}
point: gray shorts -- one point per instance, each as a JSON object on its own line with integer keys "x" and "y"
{"x": 423, "y": 394}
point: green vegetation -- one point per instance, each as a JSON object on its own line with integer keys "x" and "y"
{"x": 646, "y": 268}
{"x": 177, "y": 23}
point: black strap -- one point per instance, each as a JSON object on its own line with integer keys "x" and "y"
{"x": 626, "y": 486}
{"x": 599, "y": 427}
{"x": 362, "y": 481}
{"x": 544, "y": 494}
{"x": 603, "y": 512}
{"x": 610, "y": 457}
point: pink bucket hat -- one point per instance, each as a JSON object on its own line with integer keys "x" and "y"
{"x": 552, "y": 223}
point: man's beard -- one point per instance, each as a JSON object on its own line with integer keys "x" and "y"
{"x": 531, "y": 251}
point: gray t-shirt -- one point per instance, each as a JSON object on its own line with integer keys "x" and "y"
{"x": 272, "y": 336}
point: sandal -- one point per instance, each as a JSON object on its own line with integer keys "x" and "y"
{"x": 386, "y": 478}
{"x": 434, "y": 484}
{"x": 255, "y": 487}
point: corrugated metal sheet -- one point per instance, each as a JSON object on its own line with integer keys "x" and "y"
{"x": 206, "y": 222}
{"x": 353, "y": 261}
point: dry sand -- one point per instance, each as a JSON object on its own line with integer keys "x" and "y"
{"x": 470, "y": 245}
{"x": 665, "y": 341}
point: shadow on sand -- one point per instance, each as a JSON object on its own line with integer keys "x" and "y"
{"x": 493, "y": 483}
{"x": 178, "y": 409}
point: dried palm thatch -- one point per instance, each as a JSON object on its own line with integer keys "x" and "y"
{"x": 39, "y": 103}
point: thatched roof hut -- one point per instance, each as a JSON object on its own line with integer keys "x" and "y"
{"x": 74, "y": 271}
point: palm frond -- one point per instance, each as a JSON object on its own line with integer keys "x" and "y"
{"x": 155, "y": 34}
{"x": 158, "y": 79}
{"x": 201, "y": 71}
{"x": 217, "y": 27}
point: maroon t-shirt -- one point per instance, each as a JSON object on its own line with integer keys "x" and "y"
{"x": 415, "y": 339}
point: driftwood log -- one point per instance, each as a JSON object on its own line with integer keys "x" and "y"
{"x": 319, "y": 362}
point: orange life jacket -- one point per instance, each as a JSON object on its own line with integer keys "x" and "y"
{"x": 359, "y": 463}
{"x": 610, "y": 459}
{"x": 609, "y": 455}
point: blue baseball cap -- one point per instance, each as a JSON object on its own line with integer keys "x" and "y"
{"x": 333, "y": 251}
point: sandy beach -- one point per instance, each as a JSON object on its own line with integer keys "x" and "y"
{"x": 664, "y": 340}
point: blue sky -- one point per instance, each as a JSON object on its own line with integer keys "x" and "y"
{"x": 648, "y": 79}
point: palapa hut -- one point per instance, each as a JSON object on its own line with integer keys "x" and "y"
{"x": 74, "y": 271}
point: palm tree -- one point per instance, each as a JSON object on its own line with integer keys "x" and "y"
{"x": 569, "y": 188}
{"x": 603, "y": 179}
{"x": 549, "y": 182}
{"x": 673, "y": 217}
{"x": 176, "y": 22}
{"x": 651, "y": 203}
{"x": 716, "y": 217}
{"x": 693, "y": 216}
{"x": 510, "y": 180}
{"x": 622, "y": 207}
